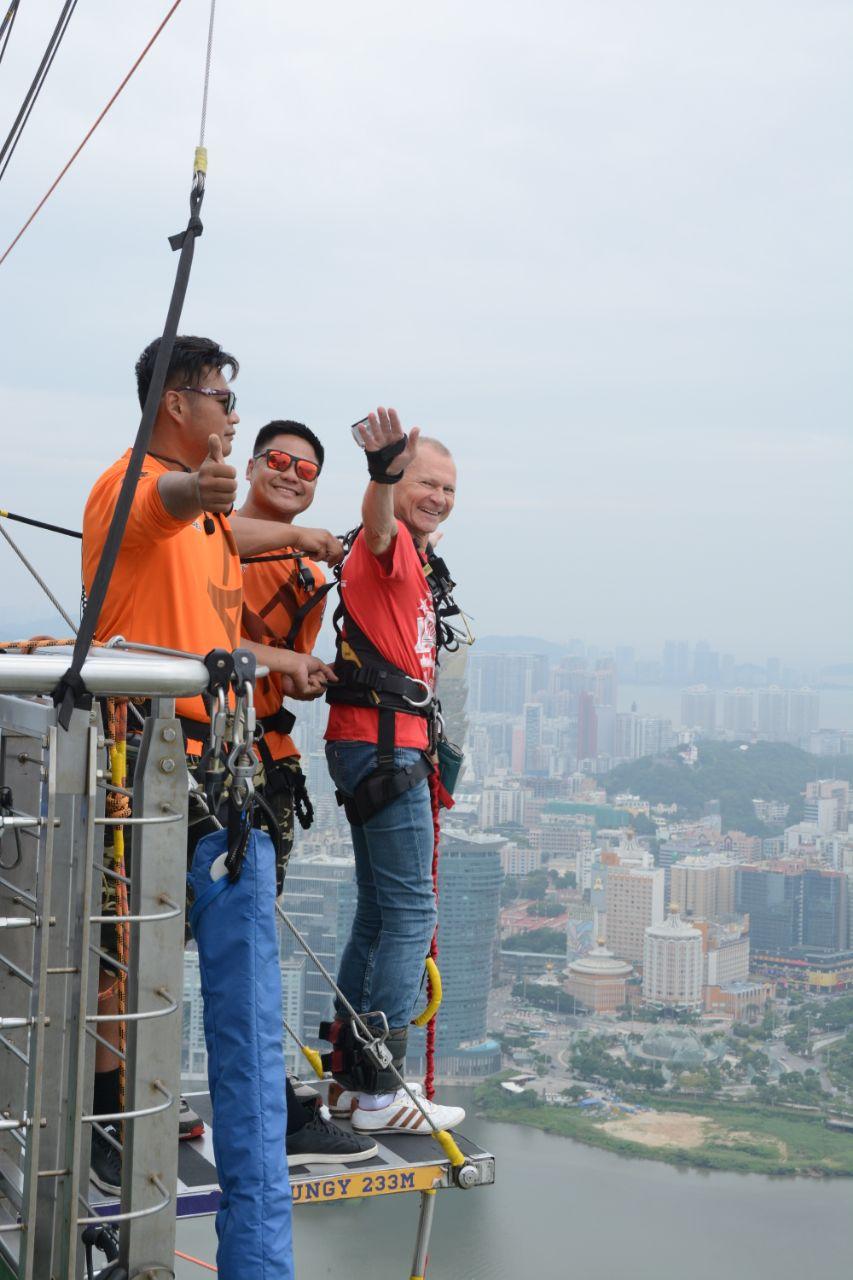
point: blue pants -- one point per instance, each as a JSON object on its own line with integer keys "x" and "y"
{"x": 383, "y": 962}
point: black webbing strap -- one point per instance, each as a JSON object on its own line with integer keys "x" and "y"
{"x": 381, "y": 788}
{"x": 281, "y": 721}
{"x": 71, "y": 691}
{"x": 303, "y": 611}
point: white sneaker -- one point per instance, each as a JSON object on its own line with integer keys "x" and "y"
{"x": 402, "y": 1116}
{"x": 342, "y": 1102}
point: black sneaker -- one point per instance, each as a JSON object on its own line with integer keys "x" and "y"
{"x": 321, "y": 1141}
{"x": 190, "y": 1125}
{"x": 105, "y": 1170}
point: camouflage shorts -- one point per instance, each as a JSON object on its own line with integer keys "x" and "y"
{"x": 277, "y": 786}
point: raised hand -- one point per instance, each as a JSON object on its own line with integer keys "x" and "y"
{"x": 383, "y": 428}
{"x": 216, "y": 480}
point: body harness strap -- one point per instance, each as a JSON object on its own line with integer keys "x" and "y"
{"x": 366, "y": 678}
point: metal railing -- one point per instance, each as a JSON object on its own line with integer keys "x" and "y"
{"x": 53, "y": 786}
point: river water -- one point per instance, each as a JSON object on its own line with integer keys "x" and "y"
{"x": 560, "y": 1209}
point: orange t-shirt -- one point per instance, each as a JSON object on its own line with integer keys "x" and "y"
{"x": 173, "y": 584}
{"x": 389, "y": 598}
{"x": 272, "y": 595}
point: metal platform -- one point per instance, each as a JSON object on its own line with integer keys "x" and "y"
{"x": 404, "y": 1163}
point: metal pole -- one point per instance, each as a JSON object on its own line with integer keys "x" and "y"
{"x": 419, "y": 1262}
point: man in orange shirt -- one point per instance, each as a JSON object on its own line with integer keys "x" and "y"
{"x": 177, "y": 580}
{"x": 283, "y": 600}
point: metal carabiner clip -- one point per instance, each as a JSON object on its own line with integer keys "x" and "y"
{"x": 424, "y": 702}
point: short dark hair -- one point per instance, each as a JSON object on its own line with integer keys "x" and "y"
{"x": 284, "y": 427}
{"x": 191, "y": 359}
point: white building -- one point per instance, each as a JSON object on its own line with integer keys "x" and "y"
{"x": 519, "y": 860}
{"x": 500, "y": 806}
{"x": 673, "y": 964}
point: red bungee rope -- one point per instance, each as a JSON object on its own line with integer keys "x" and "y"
{"x": 435, "y": 789}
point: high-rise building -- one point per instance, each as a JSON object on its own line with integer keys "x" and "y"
{"x": 319, "y": 897}
{"x": 606, "y": 692}
{"x": 706, "y": 664}
{"x": 773, "y": 712}
{"x": 635, "y": 900}
{"x": 792, "y": 908}
{"x": 532, "y": 724}
{"x": 699, "y": 709}
{"x": 469, "y": 889}
{"x": 675, "y": 667}
{"x": 503, "y": 682}
{"x": 726, "y": 950}
{"x": 803, "y": 713}
{"x": 825, "y": 910}
{"x": 193, "y": 1046}
{"x": 587, "y": 727}
{"x": 828, "y": 805}
{"x": 737, "y": 712}
{"x": 293, "y": 973}
{"x": 704, "y": 888}
{"x": 501, "y": 806}
{"x": 673, "y": 964}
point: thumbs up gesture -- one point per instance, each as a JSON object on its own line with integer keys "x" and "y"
{"x": 216, "y": 480}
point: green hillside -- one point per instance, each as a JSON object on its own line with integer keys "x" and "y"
{"x": 732, "y": 775}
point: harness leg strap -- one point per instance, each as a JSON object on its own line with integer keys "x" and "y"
{"x": 352, "y": 1067}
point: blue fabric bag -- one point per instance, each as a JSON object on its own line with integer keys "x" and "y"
{"x": 234, "y": 927}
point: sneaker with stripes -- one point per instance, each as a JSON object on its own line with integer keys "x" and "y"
{"x": 342, "y": 1102}
{"x": 402, "y": 1116}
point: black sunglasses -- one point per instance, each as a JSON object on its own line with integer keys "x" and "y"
{"x": 227, "y": 398}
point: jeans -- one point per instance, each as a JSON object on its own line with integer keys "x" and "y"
{"x": 383, "y": 962}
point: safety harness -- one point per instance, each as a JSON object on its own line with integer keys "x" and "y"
{"x": 277, "y": 777}
{"x": 366, "y": 678}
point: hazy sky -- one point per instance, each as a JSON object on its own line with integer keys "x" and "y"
{"x": 601, "y": 248}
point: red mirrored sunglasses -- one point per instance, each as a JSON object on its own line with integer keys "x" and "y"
{"x": 281, "y": 460}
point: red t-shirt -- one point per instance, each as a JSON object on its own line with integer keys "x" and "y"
{"x": 390, "y": 600}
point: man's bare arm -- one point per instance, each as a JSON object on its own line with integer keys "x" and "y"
{"x": 254, "y": 537}
{"x": 305, "y": 677}
{"x": 377, "y": 509}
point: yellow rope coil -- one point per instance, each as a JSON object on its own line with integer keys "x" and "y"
{"x": 435, "y": 999}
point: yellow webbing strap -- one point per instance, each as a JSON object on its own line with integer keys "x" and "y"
{"x": 449, "y": 1147}
{"x": 200, "y": 163}
{"x": 314, "y": 1058}
{"x": 435, "y": 999}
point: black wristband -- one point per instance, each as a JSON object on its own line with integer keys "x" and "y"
{"x": 379, "y": 459}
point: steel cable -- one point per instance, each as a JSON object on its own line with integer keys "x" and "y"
{"x": 32, "y": 94}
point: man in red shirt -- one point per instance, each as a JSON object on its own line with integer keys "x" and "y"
{"x": 283, "y": 600}
{"x": 377, "y": 743}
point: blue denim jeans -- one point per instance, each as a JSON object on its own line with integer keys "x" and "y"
{"x": 383, "y": 962}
